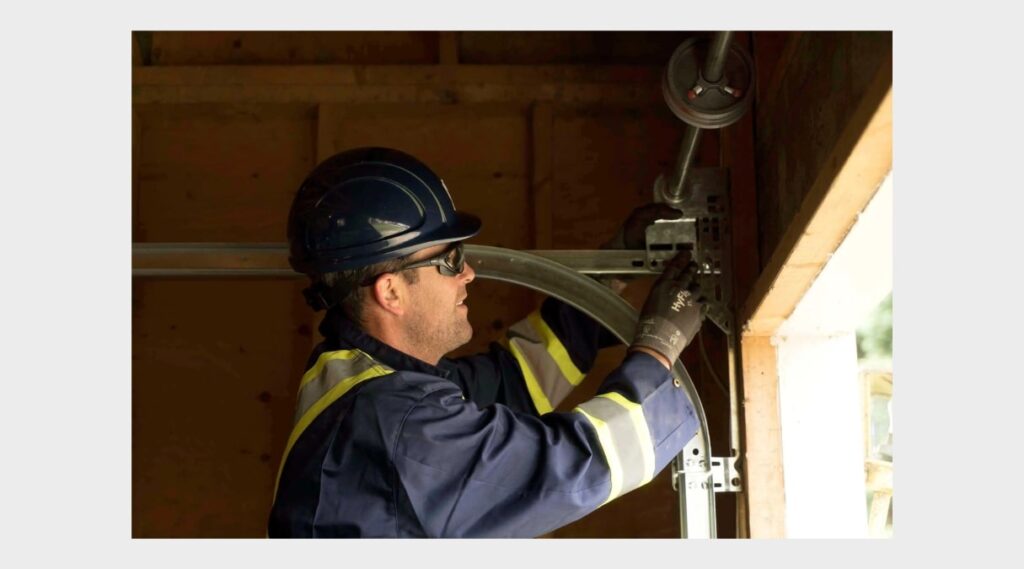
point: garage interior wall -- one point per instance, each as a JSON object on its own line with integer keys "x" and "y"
{"x": 550, "y": 137}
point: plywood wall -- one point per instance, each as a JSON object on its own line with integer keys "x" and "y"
{"x": 216, "y": 361}
{"x": 219, "y": 173}
{"x": 213, "y": 368}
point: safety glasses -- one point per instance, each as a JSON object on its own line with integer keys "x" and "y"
{"x": 450, "y": 262}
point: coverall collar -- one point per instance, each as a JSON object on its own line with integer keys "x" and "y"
{"x": 336, "y": 326}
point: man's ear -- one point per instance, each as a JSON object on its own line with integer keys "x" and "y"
{"x": 389, "y": 293}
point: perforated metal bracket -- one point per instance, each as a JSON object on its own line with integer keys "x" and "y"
{"x": 667, "y": 237}
{"x": 725, "y": 476}
{"x": 704, "y": 230}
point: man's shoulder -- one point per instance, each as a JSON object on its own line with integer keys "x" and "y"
{"x": 411, "y": 384}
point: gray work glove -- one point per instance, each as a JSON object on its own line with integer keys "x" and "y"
{"x": 674, "y": 310}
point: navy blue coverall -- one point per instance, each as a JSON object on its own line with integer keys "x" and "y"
{"x": 385, "y": 445}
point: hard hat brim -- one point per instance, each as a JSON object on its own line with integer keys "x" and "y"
{"x": 463, "y": 227}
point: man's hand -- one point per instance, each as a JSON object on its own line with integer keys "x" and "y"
{"x": 674, "y": 310}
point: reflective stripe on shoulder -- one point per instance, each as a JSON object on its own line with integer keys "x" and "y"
{"x": 331, "y": 377}
{"x": 625, "y": 441}
{"x": 547, "y": 367}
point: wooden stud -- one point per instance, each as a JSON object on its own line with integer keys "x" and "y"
{"x": 762, "y": 456}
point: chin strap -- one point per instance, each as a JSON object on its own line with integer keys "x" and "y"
{"x": 318, "y": 296}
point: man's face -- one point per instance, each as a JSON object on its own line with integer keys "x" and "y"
{"x": 438, "y": 317}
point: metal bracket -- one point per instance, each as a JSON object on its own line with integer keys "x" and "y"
{"x": 703, "y": 230}
{"x": 724, "y": 473}
{"x": 667, "y": 237}
{"x": 725, "y": 476}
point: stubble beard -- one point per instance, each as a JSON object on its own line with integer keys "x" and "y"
{"x": 441, "y": 338}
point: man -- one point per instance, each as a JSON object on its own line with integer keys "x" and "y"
{"x": 392, "y": 439}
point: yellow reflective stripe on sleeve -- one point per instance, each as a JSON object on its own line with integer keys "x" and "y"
{"x": 540, "y": 401}
{"x": 611, "y": 455}
{"x": 643, "y": 433}
{"x": 556, "y": 349}
{"x": 625, "y": 439}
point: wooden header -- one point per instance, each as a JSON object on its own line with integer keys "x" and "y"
{"x": 397, "y": 83}
{"x": 857, "y": 166}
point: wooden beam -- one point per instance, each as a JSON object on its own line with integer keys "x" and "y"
{"x": 857, "y": 165}
{"x": 449, "y": 48}
{"x": 762, "y": 455}
{"x": 616, "y": 84}
{"x": 541, "y": 179}
{"x": 216, "y": 258}
{"x": 285, "y": 75}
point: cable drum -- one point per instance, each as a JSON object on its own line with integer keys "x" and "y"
{"x": 702, "y": 103}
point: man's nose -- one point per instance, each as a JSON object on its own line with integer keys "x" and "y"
{"x": 468, "y": 274}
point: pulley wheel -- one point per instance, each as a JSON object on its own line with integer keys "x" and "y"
{"x": 699, "y": 102}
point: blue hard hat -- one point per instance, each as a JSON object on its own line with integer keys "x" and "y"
{"x": 368, "y": 205}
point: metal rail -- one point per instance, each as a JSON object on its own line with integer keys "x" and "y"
{"x": 271, "y": 260}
